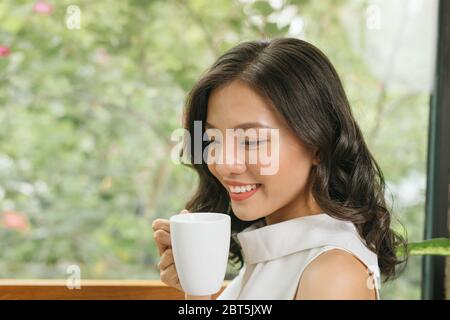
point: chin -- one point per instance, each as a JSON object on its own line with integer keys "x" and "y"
{"x": 240, "y": 215}
{"x": 246, "y": 216}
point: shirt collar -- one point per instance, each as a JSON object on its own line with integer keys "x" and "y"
{"x": 260, "y": 242}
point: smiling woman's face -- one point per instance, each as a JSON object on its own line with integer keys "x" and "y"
{"x": 280, "y": 196}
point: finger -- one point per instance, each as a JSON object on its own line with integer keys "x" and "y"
{"x": 164, "y": 223}
{"x": 161, "y": 224}
{"x": 169, "y": 274}
{"x": 166, "y": 260}
{"x": 161, "y": 248}
{"x": 162, "y": 239}
{"x": 177, "y": 284}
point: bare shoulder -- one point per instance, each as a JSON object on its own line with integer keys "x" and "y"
{"x": 335, "y": 274}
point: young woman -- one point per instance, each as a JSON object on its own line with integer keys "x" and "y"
{"x": 319, "y": 227}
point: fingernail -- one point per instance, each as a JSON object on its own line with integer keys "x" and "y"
{"x": 184, "y": 211}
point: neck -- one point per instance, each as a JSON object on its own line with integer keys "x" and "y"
{"x": 301, "y": 207}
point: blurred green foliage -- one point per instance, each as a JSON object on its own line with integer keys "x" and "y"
{"x": 436, "y": 247}
{"x": 86, "y": 117}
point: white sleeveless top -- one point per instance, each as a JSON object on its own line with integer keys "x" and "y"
{"x": 275, "y": 255}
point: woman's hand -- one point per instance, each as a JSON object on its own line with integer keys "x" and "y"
{"x": 167, "y": 271}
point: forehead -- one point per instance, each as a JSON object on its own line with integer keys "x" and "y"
{"x": 236, "y": 103}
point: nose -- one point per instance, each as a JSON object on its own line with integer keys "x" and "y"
{"x": 232, "y": 161}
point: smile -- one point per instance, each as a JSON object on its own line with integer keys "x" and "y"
{"x": 240, "y": 193}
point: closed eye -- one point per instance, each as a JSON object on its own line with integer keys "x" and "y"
{"x": 254, "y": 143}
{"x": 247, "y": 143}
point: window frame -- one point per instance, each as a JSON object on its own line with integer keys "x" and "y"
{"x": 438, "y": 161}
{"x": 13, "y": 289}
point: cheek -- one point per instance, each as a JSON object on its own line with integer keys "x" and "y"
{"x": 292, "y": 176}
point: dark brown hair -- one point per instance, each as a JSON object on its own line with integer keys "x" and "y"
{"x": 302, "y": 84}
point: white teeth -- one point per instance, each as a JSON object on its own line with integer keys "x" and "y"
{"x": 240, "y": 189}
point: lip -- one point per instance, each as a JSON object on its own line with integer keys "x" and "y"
{"x": 244, "y": 195}
{"x": 235, "y": 183}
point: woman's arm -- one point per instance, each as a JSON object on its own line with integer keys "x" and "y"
{"x": 336, "y": 274}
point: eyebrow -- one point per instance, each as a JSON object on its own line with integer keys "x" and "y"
{"x": 245, "y": 125}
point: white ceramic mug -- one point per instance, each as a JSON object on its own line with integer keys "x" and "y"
{"x": 200, "y": 246}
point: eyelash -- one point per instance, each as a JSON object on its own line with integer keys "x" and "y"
{"x": 247, "y": 143}
{"x": 254, "y": 143}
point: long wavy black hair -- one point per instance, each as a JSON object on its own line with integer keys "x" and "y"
{"x": 302, "y": 84}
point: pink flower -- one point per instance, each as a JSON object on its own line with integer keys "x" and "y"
{"x": 15, "y": 221}
{"x": 4, "y": 51}
{"x": 42, "y": 7}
